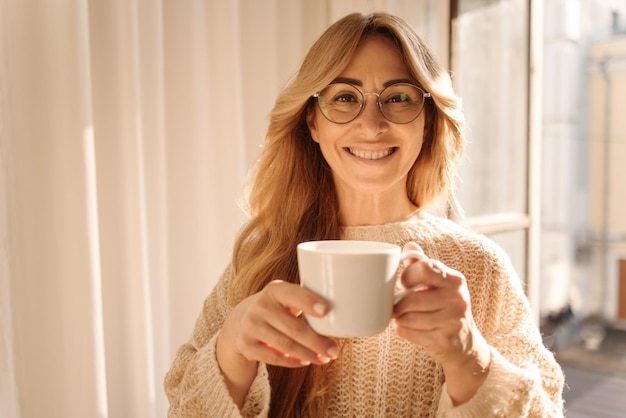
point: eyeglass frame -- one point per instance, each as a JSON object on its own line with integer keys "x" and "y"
{"x": 425, "y": 95}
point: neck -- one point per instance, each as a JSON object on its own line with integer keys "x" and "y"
{"x": 372, "y": 211}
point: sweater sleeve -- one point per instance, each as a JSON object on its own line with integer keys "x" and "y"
{"x": 524, "y": 378}
{"x": 509, "y": 391}
{"x": 195, "y": 385}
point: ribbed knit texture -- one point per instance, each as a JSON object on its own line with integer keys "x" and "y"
{"x": 385, "y": 375}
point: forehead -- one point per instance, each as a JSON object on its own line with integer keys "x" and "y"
{"x": 378, "y": 59}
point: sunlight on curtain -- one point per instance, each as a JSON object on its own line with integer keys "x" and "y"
{"x": 127, "y": 129}
{"x": 8, "y": 391}
{"x": 94, "y": 261}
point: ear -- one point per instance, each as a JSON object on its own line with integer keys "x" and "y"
{"x": 428, "y": 124}
{"x": 426, "y": 130}
{"x": 312, "y": 123}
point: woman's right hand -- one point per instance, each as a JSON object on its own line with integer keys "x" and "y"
{"x": 267, "y": 327}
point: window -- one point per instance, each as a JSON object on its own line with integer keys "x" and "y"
{"x": 490, "y": 52}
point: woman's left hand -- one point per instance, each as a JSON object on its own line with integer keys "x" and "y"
{"x": 438, "y": 317}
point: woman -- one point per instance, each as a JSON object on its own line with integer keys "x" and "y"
{"x": 366, "y": 136}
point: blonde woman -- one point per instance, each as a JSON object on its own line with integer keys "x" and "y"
{"x": 363, "y": 140}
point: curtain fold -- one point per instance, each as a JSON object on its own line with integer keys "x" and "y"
{"x": 127, "y": 101}
{"x": 53, "y": 278}
{"x": 127, "y": 129}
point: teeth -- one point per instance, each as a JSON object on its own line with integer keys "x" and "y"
{"x": 376, "y": 155}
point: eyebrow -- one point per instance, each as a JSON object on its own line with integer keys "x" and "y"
{"x": 359, "y": 83}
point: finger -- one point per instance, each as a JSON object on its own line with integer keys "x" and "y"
{"x": 259, "y": 339}
{"x": 437, "y": 308}
{"x": 422, "y": 321}
{"x": 431, "y": 273}
{"x": 292, "y": 334}
{"x": 297, "y": 299}
{"x": 447, "y": 294}
{"x": 421, "y": 300}
{"x": 284, "y": 349}
{"x": 295, "y": 337}
{"x": 267, "y": 354}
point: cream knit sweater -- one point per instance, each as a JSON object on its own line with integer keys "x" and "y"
{"x": 385, "y": 375}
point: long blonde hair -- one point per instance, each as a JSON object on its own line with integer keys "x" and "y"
{"x": 292, "y": 197}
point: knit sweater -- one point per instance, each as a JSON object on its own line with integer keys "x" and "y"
{"x": 385, "y": 375}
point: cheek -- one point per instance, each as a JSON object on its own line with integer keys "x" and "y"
{"x": 327, "y": 134}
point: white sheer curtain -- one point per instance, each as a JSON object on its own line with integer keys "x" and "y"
{"x": 127, "y": 128}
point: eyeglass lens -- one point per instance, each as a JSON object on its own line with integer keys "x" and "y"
{"x": 399, "y": 103}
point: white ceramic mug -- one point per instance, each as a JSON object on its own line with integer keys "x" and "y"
{"x": 357, "y": 279}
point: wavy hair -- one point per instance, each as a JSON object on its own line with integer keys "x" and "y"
{"x": 292, "y": 197}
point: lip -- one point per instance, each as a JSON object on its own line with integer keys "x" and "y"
{"x": 371, "y": 155}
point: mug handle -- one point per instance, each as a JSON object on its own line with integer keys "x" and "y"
{"x": 418, "y": 255}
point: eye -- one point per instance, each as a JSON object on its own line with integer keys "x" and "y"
{"x": 399, "y": 98}
{"x": 345, "y": 98}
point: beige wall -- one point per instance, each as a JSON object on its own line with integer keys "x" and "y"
{"x": 607, "y": 165}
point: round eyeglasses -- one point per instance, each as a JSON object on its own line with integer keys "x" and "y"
{"x": 399, "y": 102}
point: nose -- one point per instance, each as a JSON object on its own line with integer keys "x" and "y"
{"x": 371, "y": 118}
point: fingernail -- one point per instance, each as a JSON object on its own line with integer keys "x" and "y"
{"x": 319, "y": 308}
{"x": 305, "y": 362}
{"x": 333, "y": 352}
{"x": 323, "y": 359}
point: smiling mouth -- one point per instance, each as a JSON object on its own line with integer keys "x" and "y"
{"x": 372, "y": 155}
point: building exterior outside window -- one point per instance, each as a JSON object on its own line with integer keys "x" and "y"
{"x": 584, "y": 159}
